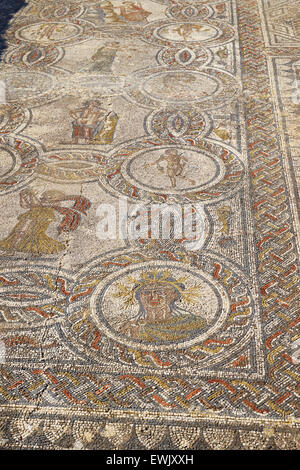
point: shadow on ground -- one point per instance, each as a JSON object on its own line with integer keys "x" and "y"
{"x": 8, "y": 8}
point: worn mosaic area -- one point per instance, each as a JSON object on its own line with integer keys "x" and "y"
{"x": 141, "y": 343}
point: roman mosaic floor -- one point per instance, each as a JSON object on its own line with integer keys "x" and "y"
{"x": 113, "y": 113}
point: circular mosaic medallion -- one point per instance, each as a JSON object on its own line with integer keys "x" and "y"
{"x": 182, "y": 86}
{"x": 126, "y": 305}
{"x": 51, "y": 32}
{"x": 151, "y": 171}
{"x": 46, "y": 33}
{"x": 162, "y": 304}
{"x": 196, "y": 170}
{"x": 165, "y": 85}
{"x": 203, "y": 33}
{"x": 18, "y": 162}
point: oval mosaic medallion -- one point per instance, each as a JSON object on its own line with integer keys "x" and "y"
{"x": 203, "y": 32}
{"x": 151, "y": 171}
{"x": 156, "y": 86}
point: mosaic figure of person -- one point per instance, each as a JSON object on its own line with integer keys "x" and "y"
{"x": 29, "y": 234}
{"x": 93, "y": 124}
{"x": 160, "y": 317}
{"x": 175, "y": 164}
